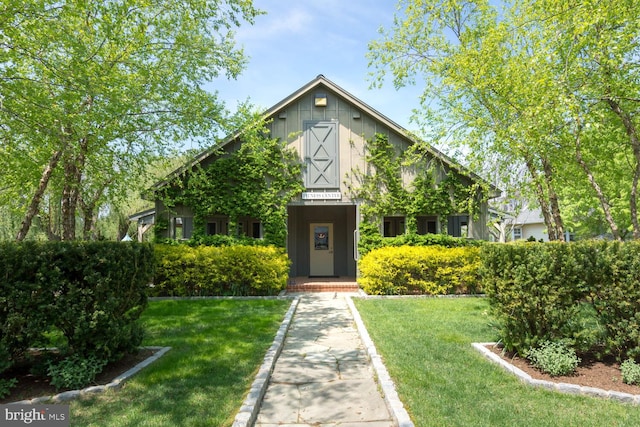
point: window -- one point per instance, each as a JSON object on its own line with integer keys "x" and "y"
{"x": 427, "y": 224}
{"x": 217, "y": 225}
{"x": 393, "y": 226}
{"x": 212, "y": 228}
{"x": 517, "y": 233}
{"x": 182, "y": 227}
{"x": 256, "y": 230}
{"x": 458, "y": 225}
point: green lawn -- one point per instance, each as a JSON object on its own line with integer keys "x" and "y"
{"x": 217, "y": 347}
{"x": 443, "y": 381}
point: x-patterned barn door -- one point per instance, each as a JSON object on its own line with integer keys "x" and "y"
{"x": 321, "y": 154}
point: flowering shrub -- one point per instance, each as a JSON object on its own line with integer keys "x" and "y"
{"x": 433, "y": 270}
{"x": 228, "y": 270}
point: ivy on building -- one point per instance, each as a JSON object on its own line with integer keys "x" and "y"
{"x": 257, "y": 178}
{"x": 383, "y": 190}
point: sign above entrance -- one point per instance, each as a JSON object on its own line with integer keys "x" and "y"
{"x": 332, "y": 195}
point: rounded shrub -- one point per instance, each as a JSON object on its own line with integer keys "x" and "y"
{"x": 432, "y": 270}
{"x": 183, "y": 270}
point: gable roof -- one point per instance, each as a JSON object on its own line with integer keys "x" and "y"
{"x": 322, "y": 81}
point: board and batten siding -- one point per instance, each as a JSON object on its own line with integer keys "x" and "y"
{"x": 354, "y": 128}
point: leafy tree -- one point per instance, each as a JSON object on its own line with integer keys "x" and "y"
{"x": 547, "y": 85}
{"x": 91, "y": 92}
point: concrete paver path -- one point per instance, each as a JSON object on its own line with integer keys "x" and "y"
{"x": 323, "y": 376}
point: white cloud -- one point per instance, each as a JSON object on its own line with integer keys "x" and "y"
{"x": 280, "y": 22}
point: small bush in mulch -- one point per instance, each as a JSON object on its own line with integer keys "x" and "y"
{"x": 31, "y": 379}
{"x": 630, "y": 372}
{"x": 554, "y": 358}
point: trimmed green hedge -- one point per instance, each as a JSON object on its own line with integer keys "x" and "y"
{"x": 433, "y": 270}
{"x": 229, "y": 270}
{"x": 371, "y": 239}
{"x": 91, "y": 293}
{"x": 587, "y": 293}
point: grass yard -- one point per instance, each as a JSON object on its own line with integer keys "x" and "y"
{"x": 443, "y": 381}
{"x": 217, "y": 347}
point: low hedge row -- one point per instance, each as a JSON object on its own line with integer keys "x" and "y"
{"x": 586, "y": 293}
{"x": 90, "y": 293}
{"x": 371, "y": 239}
{"x": 431, "y": 270}
{"x": 183, "y": 270}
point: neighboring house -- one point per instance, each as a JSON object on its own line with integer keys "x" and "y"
{"x": 145, "y": 220}
{"x": 328, "y": 128}
{"x": 528, "y": 224}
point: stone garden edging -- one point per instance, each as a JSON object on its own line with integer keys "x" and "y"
{"x": 116, "y": 383}
{"x": 558, "y": 387}
{"x": 248, "y": 412}
{"x": 398, "y": 412}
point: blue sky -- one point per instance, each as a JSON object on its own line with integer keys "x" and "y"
{"x": 297, "y": 40}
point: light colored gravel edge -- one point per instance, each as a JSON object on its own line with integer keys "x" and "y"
{"x": 398, "y": 412}
{"x": 248, "y": 412}
{"x": 116, "y": 383}
{"x": 550, "y": 385}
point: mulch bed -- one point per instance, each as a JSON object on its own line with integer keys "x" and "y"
{"x": 604, "y": 375}
{"x": 31, "y": 386}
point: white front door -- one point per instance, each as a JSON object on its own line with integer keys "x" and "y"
{"x": 321, "y": 249}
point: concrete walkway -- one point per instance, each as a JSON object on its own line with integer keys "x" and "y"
{"x": 323, "y": 377}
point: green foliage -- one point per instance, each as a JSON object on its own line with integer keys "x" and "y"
{"x": 220, "y": 240}
{"x": 442, "y": 381}
{"x": 371, "y": 239}
{"x": 430, "y": 270}
{"x": 256, "y": 180}
{"x": 383, "y": 191}
{"x": 612, "y": 272}
{"x": 182, "y": 270}
{"x": 630, "y": 372}
{"x": 537, "y": 109}
{"x": 554, "y": 358}
{"x": 585, "y": 293}
{"x": 6, "y": 385}
{"x": 534, "y": 288}
{"x": 75, "y": 371}
{"x": 93, "y": 91}
{"x": 93, "y": 293}
{"x": 217, "y": 346}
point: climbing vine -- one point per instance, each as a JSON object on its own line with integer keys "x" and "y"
{"x": 382, "y": 189}
{"x": 256, "y": 180}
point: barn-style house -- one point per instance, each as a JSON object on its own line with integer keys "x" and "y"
{"x": 329, "y": 129}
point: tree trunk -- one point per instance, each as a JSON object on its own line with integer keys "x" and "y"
{"x": 74, "y": 165}
{"x": 603, "y": 201}
{"x": 88, "y": 228}
{"x": 32, "y": 210}
{"x": 632, "y": 133}
{"x": 69, "y": 200}
{"x": 90, "y": 213}
{"x": 542, "y": 200}
{"x": 554, "y": 206}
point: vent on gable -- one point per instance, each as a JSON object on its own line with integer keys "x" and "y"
{"x": 320, "y": 100}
